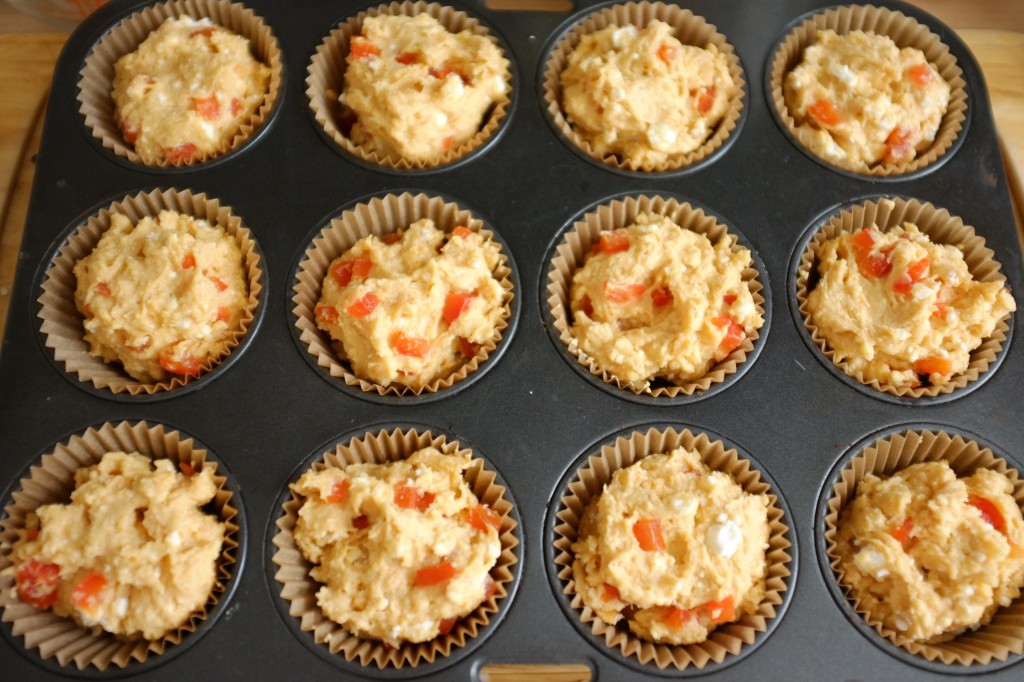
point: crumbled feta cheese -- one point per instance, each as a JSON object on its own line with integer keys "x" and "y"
{"x": 723, "y": 539}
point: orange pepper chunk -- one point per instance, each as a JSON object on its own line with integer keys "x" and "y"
{"x": 620, "y": 292}
{"x": 933, "y": 365}
{"x": 87, "y": 594}
{"x": 468, "y": 348}
{"x": 327, "y": 314}
{"x": 181, "y": 153}
{"x": 941, "y": 309}
{"x": 187, "y": 468}
{"x": 869, "y": 263}
{"x": 207, "y": 32}
{"x": 446, "y": 625}
{"x": 901, "y": 533}
{"x": 406, "y": 58}
{"x": 411, "y": 497}
{"x": 462, "y": 231}
{"x": 729, "y": 299}
{"x": 189, "y": 261}
{"x": 435, "y": 575}
{"x": 661, "y": 296}
{"x": 130, "y": 134}
{"x": 612, "y": 242}
{"x": 339, "y": 493}
{"x": 667, "y": 53}
{"x": 236, "y": 106}
{"x": 364, "y": 306}
{"x": 897, "y": 147}
{"x": 921, "y": 74}
{"x": 481, "y": 517}
{"x": 587, "y": 306}
{"x": 223, "y": 314}
{"x": 611, "y": 592}
{"x": 989, "y": 512}
{"x": 825, "y": 111}
{"x": 446, "y": 71}
{"x": 188, "y": 365}
{"x": 648, "y": 533}
{"x": 220, "y": 284}
{"x": 721, "y": 611}
{"x": 361, "y": 48}
{"x": 447, "y": 143}
{"x": 37, "y": 583}
{"x": 734, "y": 334}
{"x": 914, "y": 274}
{"x": 409, "y": 346}
{"x": 392, "y": 238}
{"x": 207, "y": 107}
{"x": 455, "y": 303}
{"x": 676, "y": 617}
{"x": 705, "y": 99}
{"x": 103, "y": 289}
{"x": 361, "y": 522}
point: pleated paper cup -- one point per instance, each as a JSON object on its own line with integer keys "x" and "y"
{"x": 1004, "y": 634}
{"x": 689, "y": 29}
{"x": 62, "y": 323}
{"x": 381, "y": 216}
{"x": 325, "y": 81}
{"x": 941, "y": 228}
{"x": 299, "y": 590}
{"x": 579, "y": 241}
{"x": 726, "y": 640}
{"x": 97, "y": 76}
{"x": 905, "y": 32}
{"x": 52, "y": 481}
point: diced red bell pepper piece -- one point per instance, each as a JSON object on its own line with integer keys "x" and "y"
{"x": 661, "y": 296}
{"x": 406, "y": 58}
{"x": 189, "y": 261}
{"x": 181, "y": 153}
{"x": 409, "y": 346}
{"x": 667, "y": 53}
{"x": 468, "y": 348}
{"x": 611, "y": 592}
{"x": 989, "y": 512}
{"x": 223, "y": 314}
{"x": 206, "y": 32}
{"x": 933, "y": 365}
{"x": 446, "y": 625}
{"x": 455, "y": 303}
{"x": 721, "y": 611}
{"x": 87, "y": 594}
{"x": 37, "y": 583}
{"x": 901, "y": 533}
{"x": 236, "y": 106}
{"x": 481, "y": 517}
{"x": 734, "y": 334}
{"x": 914, "y": 274}
{"x": 392, "y": 237}
{"x": 462, "y": 231}
{"x": 897, "y": 147}
{"x": 587, "y": 306}
{"x": 188, "y": 365}
{"x": 729, "y": 299}
{"x": 941, "y": 309}
{"x": 435, "y": 575}
{"x": 361, "y": 522}
{"x": 869, "y": 263}
{"x": 327, "y": 314}
{"x": 207, "y": 107}
{"x": 648, "y": 533}
{"x": 921, "y": 74}
{"x": 445, "y": 71}
{"x": 339, "y": 493}
{"x": 612, "y": 241}
{"x": 676, "y": 618}
{"x": 620, "y": 292}
{"x": 364, "y": 306}
{"x": 103, "y": 289}
{"x": 825, "y": 111}
{"x": 361, "y": 48}
{"x": 130, "y": 134}
{"x": 411, "y": 497}
{"x": 705, "y": 99}
{"x": 220, "y": 284}
{"x": 187, "y": 468}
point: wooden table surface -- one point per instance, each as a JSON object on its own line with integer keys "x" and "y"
{"x": 993, "y": 29}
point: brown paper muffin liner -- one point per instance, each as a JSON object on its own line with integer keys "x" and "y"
{"x": 888, "y": 455}
{"x": 325, "y": 81}
{"x": 727, "y": 639}
{"x": 52, "y": 482}
{"x": 380, "y": 216}
{"x": 578, "y": 242}
{"x": 689, "y": 29}
{"x": 299, "y": 589}
{"x": 905, "y": 32}
{"x": 62, "y": 323}
{"x": 941, "y": 228}
{"x": 97, "y": 74}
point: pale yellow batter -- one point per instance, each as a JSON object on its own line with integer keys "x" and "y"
{"x": 183, "y": 94}
{"x": 413, "y": 306}
{"x": 403, "y": 549}
{"x": 132, "y": 552}
{"x": 674, "y": 548}
{"x": 643, "y": 95}
{"x": 161, "y": 297}
{"x": 417, "y": 90}
{"x": 930, "y": 555}
{"x": 655, "y": 300}
{"x": 901, "y": 309}
{"x": 865, "y": 100}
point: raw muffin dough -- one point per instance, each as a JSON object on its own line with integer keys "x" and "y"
{"x": 864, "y": 100}
{"x": 186, "y": 90}
{"x": 161, "y": 297}
{"x": 643, "y": 95}
{"x": 900, "y": 309}
{"x": 655, "y": 300}
{"x": 930, "y": 555}
{"x": 413, "y": 306}
{"x": 417, "y": 90}
{"x": 674, "y": 548}
{"x": 131, "y": 552}
{"x": 402, "y": 549}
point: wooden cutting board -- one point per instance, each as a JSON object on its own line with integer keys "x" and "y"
{"x": 26, "y": 64}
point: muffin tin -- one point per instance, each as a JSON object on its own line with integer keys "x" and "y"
{"x": 533, "y": 417}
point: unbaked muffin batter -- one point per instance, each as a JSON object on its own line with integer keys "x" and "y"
{"x": 417, "y": 90}
{"x": 655, "y": 300}
{"x": 901, "y": 309}
{"x": 403, "y": 549}
{"x": 643, "y": 95}
{"x": 412, "y": 306}
{"x": 185, "y": 91}
{"x": 865, "y": 100}
{"x": 132, "y": 552}
{"x": 161, "y": 297}
{"x": 674, "y": 548}
{"x": 930, "y": 555}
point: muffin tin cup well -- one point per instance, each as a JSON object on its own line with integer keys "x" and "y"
{"x": 905, "y": 31}
{"x": 94, "y": 101}
{"x": 381, "y": 215}
{"x": 585, "y": 479}
{"x": 996, "y": 645}
{"x": 568, "y": 253}
{"x": 689, "y": 29}
{"x": 325, "y": 80}
{"x": 295, "y": 591}
{"x": 61, "y": 333}
{"x": 940, "y": 227}
{"x": 60, "y": 644}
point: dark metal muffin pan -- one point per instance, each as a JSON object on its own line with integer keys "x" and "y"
{"x": 532, "y": 414}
